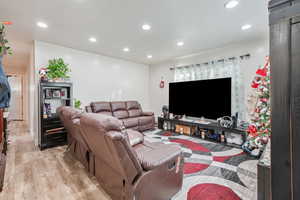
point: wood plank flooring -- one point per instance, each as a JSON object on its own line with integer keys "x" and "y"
{"x": 51, "y": 174}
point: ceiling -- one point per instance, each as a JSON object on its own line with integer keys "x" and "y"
{"x": 201, "y": 24}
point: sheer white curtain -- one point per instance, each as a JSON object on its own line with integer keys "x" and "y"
{"x": 218, "y": 69}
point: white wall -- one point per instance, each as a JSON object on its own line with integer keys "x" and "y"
{"x": 96, "y": 77}
{"x": 257, "y": 49}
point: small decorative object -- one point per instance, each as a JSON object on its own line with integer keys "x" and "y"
{"x": 202, "y": 134}
{"x": 255, "y": 153}
{"x": 233, "y": 138}
{"x": 64, "y": 93}
{"x": 56, "y": 94}
{"x": 222, "y": 138}
{"x": 226, "y": 122}
{"x": 48, "y": 93}
{"x": 171, "y": 115}
{"x": 181, "y": 130}
{"x": 43, "y": 74}
{"x": 165, "y": 111}
{"x": 48, "y": 109}
{"x": 45, "y": 116}
{"x": 57, "y": 70}
{"x": 77, "y": 104}
{"x": 165, "y": 126}
{"x": 162, "y": 83}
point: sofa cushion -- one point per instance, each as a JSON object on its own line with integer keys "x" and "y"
{"x": 134, "y": 113}
{"x": 145, "y": 120}
{"x": 119, "y": 109}
{"x": 130, "y": 122}
{"x": 134, "y": 137}
{"x": 101, "y": 107}
{"x": 152, "y": 156}
{"x": 133, "y": 108}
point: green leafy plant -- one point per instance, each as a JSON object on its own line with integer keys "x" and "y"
{"x": 57, "y": 68}
{"x": 77, "y": 104}
{"x": 4, "y": 48}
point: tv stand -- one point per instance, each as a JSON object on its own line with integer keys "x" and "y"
{"x": 203, "y": 126}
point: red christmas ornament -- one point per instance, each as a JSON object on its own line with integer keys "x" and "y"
{"x": 252, "y": 129}
{"x": 264, "y": 100}
{"x": 262, "y": 72}
{"x": 254, "y": 85}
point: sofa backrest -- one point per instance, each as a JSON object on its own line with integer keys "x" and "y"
{"x": 133, "y": 108}
{"x": 101, "y": 107}
{"x": 119, "y": 109}
{"x": 110, "y": 146}
{"x": 70, "y": 118}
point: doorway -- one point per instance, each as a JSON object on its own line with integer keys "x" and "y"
{"x": 16, "y": 102}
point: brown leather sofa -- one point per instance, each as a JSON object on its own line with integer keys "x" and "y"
{"x": 126, "y": 166}
{"x": 129, "y": 112}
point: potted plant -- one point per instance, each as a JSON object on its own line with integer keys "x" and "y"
{"x": 77, "y": 104}
{"x": 57, "y": 70}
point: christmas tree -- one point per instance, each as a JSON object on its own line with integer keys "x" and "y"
{"x": 259, "y": 130}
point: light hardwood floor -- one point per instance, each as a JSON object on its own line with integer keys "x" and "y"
{"x": 51, "y": 174}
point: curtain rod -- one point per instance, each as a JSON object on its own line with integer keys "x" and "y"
{"x": 245, "y": 56}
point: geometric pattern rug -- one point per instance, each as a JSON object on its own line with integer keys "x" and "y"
{"x": 212, "y": 171}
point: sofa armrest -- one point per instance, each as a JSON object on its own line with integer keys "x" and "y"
{"x": 161, "y": 155}
{"x": 147, "y": 113}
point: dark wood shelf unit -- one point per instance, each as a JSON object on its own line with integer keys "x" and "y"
{"x": 202, "y": 126}
{"x": 51, "y": 131}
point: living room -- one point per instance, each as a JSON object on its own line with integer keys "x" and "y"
{"x": 149, "y": 100}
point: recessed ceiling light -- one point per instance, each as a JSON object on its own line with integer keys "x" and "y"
{"x": 92, "y": 39}
{"x": 146, "y": 27}
{"x": 126, "y": 49}
{"x": 180, "y": 44}
{"x": 42, "y": 25}
{"x": 231, "y": 4}
{"x": 246, "y": 27}
{"x": 149, "y": 56}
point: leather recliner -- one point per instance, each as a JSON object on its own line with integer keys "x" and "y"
{"x": 129, "y": 112}
{"x": 131, "y": 169}
{"x": 70, "y": 118}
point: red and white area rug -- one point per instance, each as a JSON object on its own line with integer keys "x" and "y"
{"x": 212, "y": 171}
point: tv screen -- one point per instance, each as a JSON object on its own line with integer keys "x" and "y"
{"x": 206, "y": 98}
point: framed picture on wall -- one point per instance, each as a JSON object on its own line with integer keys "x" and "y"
{"x": 56, "y": 94}
{"x": 48, "y": 93}
{"x": 64, "y": 93}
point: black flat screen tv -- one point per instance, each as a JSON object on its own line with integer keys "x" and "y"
{"x": 210, "y": 99}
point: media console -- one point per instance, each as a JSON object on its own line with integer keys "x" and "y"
{"x": 208, "y": 127}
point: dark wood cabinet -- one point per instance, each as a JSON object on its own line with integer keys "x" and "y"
{"x": 3, "y": 146}
{"x": 53, "y": 95}
{"x": 285, "y": 84}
